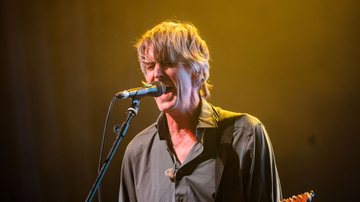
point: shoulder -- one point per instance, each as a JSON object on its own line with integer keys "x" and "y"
{"x": 240, "y": 120}
{"x": 142, "y": 139}
{"x": 247, "y": 132}
{"x": 247, "y": 122}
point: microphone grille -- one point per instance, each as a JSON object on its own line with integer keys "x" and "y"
{"x": 161, "y": 88}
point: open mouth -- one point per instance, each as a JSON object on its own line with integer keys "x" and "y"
{"x": 168, "y": 89}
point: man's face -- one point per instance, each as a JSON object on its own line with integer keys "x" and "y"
{"x": 183, "y": 93}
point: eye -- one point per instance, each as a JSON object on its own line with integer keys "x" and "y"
{"x": 149, "y": 66}
{"x": 166, "y": 66}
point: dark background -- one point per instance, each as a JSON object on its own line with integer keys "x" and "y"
{"x": 293, "y": 64}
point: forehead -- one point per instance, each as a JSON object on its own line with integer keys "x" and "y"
{"x": 151, "y": 52}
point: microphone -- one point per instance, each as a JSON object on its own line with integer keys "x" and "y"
{"x": 154, "y": 89}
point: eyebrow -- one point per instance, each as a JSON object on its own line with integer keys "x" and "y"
{"x": 148, "y": 62}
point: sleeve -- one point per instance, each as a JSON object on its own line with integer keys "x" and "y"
{"x": 127, "y": 185}
{"x": 263, "y": 180}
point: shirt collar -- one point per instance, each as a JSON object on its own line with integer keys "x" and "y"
{"x": 208, "y": 117}
{"x": 161, "y": 126}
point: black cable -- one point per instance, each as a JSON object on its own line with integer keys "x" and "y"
{"x": 103, "y": 141}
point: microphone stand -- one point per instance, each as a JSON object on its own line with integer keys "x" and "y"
{"x": 131, "y": 113}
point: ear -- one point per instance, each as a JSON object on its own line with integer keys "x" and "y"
{"x": 197, "y": 79}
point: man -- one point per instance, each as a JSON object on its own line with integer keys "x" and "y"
{"x": 194, "y": 151}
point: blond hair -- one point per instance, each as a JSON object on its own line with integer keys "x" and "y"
{"x": 174, "y": 43}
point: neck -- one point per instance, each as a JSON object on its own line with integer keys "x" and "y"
{"x": 182, "y": 130}
{"x": 184, "y": 120}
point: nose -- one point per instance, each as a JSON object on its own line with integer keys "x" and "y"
{"x": 158, "y": 72}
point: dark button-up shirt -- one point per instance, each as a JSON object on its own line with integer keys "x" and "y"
{"x": 232, "y": 160}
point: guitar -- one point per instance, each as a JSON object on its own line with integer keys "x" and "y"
{"x": 305, "y": 197}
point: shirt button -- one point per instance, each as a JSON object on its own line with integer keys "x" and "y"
{"x": 180, "y": 198}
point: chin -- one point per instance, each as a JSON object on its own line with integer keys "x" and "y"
{"x": 166, "y": 106}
